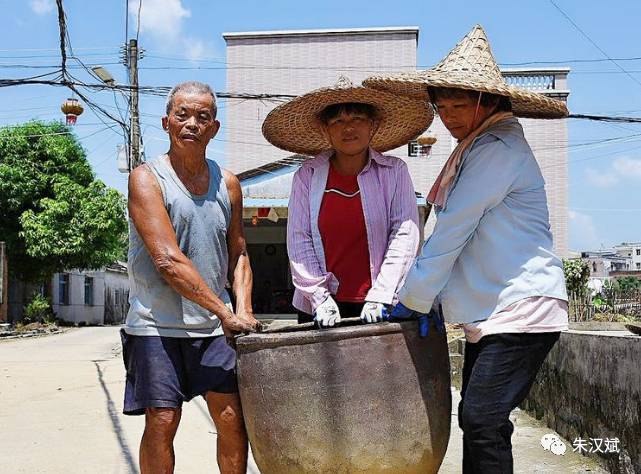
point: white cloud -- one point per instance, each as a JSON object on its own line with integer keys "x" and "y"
{"x": 624, "y": 168}
{"x": 41, "y": 7}
{"x": 601, "y": 180}
{"x": 159, "y": 18}
{"x": 628, "y": 167}
{"x": 583, "y": 233}
{"x": 163, "y": 22}
{"x": 195, "y": 49}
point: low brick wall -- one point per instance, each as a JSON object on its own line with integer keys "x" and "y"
{"x": 590, "y": 387}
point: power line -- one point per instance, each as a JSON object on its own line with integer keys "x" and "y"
{"x": 72, "y": 84}
{"x": 53, "y": 49}
{"x": 152, "y": 90}
{"x": 138, "y": 22}
{"x": 606, "y": 118}
{"x": 220, "y": 60}
{"x": 571, "y": 61}
{"x": 63, "y": 28}
{"x": 223, "y": 65}
{"x": 164, "y": 90}
{"x": 48, "y": 66}
{"x": 223, "y": 62}
{"x": 586, "y": 36}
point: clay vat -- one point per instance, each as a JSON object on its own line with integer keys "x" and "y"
{"x": 360, "y": 399}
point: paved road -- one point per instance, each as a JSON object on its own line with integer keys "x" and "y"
{"x": 60, "y": 412}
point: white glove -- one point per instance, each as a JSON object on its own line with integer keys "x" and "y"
{"x": 327, "y": 314}
{"x": 372, "y": 312}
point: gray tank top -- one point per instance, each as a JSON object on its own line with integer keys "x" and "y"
{"x": 201, "y": 223}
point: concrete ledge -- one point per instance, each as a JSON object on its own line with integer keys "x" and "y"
{"x": 590, "y": 387}
{"x": 597, "y": 326}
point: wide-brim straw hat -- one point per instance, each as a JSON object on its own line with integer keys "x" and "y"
{"x": 295, "y": 126}
{"x": 471, "y": 66}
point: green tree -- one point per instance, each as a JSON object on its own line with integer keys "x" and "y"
{"x": 54, "y": 214}
{"x": 577, "y": 273}
{"x": 628, "y": 284}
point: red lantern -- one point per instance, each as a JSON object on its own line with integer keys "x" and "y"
{"x": 71, "y": 108}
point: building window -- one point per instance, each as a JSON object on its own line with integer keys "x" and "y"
{"x": 89, "y": 291}
{"x": 638, "y": 266}
{"x": 416, "y": 150}
{"x": 63, "y": 288}
{"x": 638, "y": 251}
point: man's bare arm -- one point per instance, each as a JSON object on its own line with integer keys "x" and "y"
{"x": 151, "y": 220}
{"x": 240, "y": 273}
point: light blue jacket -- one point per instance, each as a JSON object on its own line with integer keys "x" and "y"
{"x": 492, "y": 244}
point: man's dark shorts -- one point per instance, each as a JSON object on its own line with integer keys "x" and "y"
{"x": 164, "y": 372}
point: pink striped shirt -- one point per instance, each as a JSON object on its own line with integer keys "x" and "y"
{"x": 391, "y": 220}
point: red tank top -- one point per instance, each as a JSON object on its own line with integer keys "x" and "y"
{"x": 342, "y": 227}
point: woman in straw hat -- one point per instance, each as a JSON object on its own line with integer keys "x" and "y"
{"x": 352, "y": 229}
{"x": 489, "y": 261}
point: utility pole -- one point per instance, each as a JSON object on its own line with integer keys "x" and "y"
{"x": 134, "y": 138}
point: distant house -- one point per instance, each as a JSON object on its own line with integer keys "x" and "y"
{"x": 78, "y": 296}
{"x": 632, "y": 251}
{"x": 603, "y": 262}
{"x": 92, "y": 296}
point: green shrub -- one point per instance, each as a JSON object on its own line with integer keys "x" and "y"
{"x": 614, "y": 318}
{"x": 628, "y": 284}
{"x": 577, "y": 273}
{"x": 38, "y": 310}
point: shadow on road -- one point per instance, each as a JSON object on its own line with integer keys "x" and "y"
{"x": 115, "y": 421}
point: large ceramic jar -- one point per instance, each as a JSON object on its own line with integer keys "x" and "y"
{"x": 363, "y": 399}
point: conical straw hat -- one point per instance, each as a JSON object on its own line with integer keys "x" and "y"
{"x": 471, "y": 66}
{"x": 294, "y": 126}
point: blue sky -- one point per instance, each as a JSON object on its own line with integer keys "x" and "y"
{"x": 183, "y": 40}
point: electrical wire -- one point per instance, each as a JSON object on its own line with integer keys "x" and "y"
{"x": 606, "y": 118}
{"x": 138, "y": 22}
{"x": 586, "y": 36}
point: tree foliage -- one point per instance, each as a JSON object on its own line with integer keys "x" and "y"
{"x": 627, "y": 284}
{"x": 577, "y": 273}
{"x": 54, "y": 215}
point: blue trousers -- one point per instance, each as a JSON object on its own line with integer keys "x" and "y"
{"x": 498, "y": 373}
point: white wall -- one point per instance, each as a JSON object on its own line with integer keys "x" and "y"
{"x": 77, "y": 311}
{"x": 295, "y": 64}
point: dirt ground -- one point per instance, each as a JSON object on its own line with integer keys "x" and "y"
{"x": 61, "y": 412}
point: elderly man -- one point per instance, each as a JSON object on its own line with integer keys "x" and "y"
{"x": 186, "y": 242}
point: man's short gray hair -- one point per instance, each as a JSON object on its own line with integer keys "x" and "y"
{"x": 191, "y": 87}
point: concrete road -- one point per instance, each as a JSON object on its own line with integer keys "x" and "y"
{"x": 61, "y": 404}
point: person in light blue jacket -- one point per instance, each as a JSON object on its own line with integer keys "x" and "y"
{"x": 489, "y": 262}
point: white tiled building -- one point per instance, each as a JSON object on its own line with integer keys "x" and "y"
{"x": 295, "y": 62}
{"x": 632, "y": 251}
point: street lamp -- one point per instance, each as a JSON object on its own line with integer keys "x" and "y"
{"x": 104, "y": 75}
{"x": 134, "y": 145}
{"x": 121, "y": 150}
